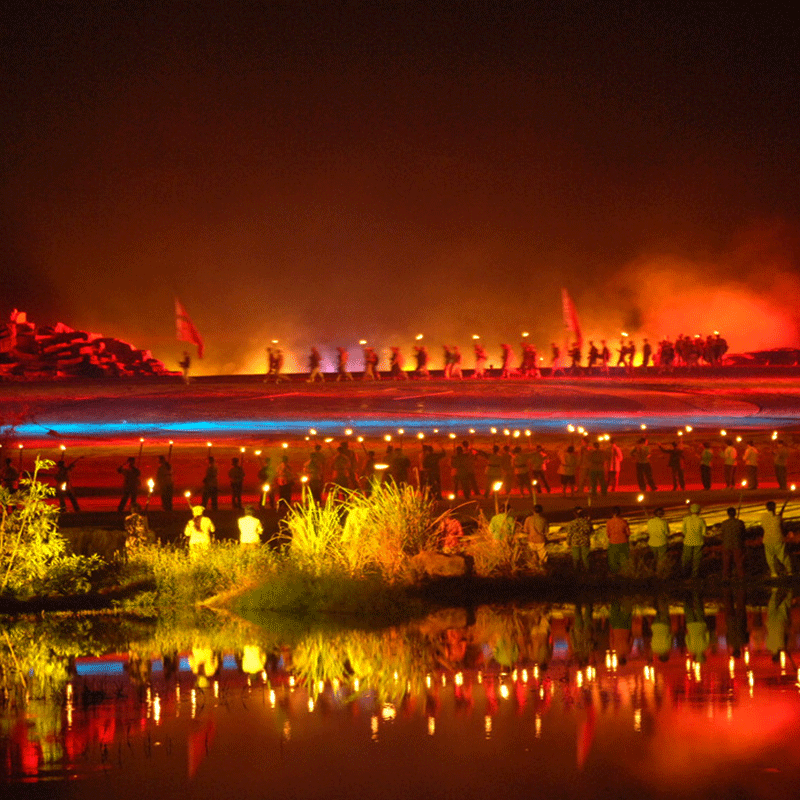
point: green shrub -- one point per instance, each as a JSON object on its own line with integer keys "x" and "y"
{"x": 33, "y": 553}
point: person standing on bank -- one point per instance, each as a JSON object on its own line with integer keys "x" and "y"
{"x": 694, "y": 532}
{"x": 675, "y": 463}
{"x": 64, "y": 485}
{"x": 198, "y": 530}
{"x": 774, "y": 542}
{"x": 579, "y": 539}
{"x": 780, "y": 459}
{"x": 658, "y": 539}
{"x": 729, "y": 457}
{"x": 751, "y": 465}
{"x": 236, "y": 477}
{"x": 732, "y": 533}
{"x": 706, "y": 457}
{"x": 166, "y": 486}
{"x": 644, "y": 470}
{"x": 131, "y": 482}
{"x": 619, "y": 534}
{"x": 210, "y": 484}
{"x": 250, "y": 528}
{"x": 614, "y": 464}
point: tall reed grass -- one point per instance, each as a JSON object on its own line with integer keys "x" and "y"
{"x": 361, "y": 535}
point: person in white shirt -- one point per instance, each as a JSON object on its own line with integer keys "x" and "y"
{"x": 250, "y": 528}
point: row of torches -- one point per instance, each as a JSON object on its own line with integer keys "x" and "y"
{"x": 497, "y": 486}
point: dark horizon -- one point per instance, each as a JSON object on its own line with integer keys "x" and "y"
{"x": 321, "y": 174}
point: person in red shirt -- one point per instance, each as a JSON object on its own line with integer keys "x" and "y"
{"x": 619, "y": 533}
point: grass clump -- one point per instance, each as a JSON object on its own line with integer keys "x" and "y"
{"x": 182, "y": 582}
{"x": 361, "y": 536}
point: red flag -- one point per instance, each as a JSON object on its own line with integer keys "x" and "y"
{"x": 185, "y": 328}
{"x": 571, "y": 317}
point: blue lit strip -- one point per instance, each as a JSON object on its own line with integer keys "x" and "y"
{"x": 382, "y": 423}
{"x": 100, "y": 668}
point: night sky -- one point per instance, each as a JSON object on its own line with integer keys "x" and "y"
{"x": 325, "y": 172}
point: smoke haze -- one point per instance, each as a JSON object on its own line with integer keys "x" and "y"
{"x": 321, "y": 174}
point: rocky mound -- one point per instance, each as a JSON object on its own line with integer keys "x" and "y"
{"x": 30, "y": 351}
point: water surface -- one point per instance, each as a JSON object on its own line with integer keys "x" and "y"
{"x": 643, "y": 697}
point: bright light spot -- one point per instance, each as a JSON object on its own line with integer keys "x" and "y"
{"x": 504, "y": 692}
{"x": 387, "y": 437}
{"x": 640, "y": 498}
{"x": 348, "y": 431}
{"x": 497, "y": 486}
{"x": 431, "y": 726}
{"x": 418, "y": 336}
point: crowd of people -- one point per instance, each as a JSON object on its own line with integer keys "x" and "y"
{"x": 598, "y": 359}
{"x": 693, "y": 530}
{"x": 464, "y": 469}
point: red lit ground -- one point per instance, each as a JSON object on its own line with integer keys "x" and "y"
{"x": 103, "y": 421}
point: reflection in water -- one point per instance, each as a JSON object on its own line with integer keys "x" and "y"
{"x": 670, "y": 694}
